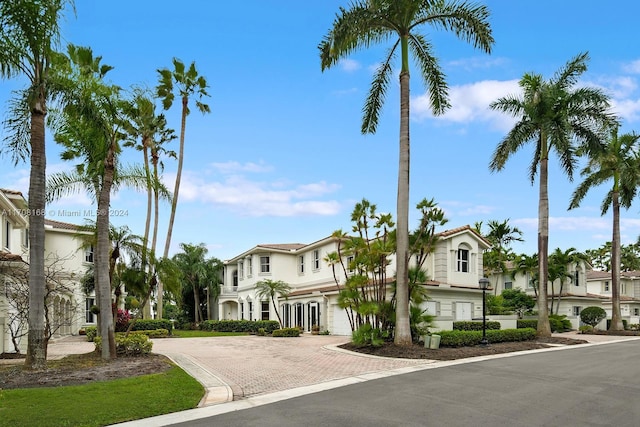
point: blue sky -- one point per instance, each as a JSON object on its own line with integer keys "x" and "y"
{"x": 280, "y": 159}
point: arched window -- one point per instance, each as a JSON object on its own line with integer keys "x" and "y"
{"x": 463, "y": 256}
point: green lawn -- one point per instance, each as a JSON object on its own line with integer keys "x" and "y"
{"x": 101, "y": 403}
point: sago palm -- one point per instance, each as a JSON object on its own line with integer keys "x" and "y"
{"x": 552, "y": 116}
{"x": 368, "y": 22}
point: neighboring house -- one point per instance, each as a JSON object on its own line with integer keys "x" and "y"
{"x": 453, "y": 269}
{"x": 585, "y": 288}
{"x": 65, "y": 263}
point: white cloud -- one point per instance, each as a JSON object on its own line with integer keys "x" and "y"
{"x": 477, "y": 63}
{"x": 350, "y": 65}
{"x": 627, "y": 109}
{"x": 259, "y": 198}
{"x": 470, "y": 103}
{"x": 235, "y": 167}
{"x": 632, "y": 67}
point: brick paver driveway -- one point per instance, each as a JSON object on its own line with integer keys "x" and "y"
{"x": 253, "y": 365}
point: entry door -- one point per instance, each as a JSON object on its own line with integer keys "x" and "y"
{"x": 463, "y": 311}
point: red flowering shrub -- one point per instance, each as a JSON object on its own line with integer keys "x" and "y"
{"x": 122, "y": 321}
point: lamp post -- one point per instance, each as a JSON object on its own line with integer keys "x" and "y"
{"x": 484, "y": 285}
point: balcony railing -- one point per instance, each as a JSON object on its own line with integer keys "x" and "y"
{"x": 228, "y": 290}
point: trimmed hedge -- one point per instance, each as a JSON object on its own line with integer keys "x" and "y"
{"x": 286, "y": 332}
{"x": 155, "y": 333}
{"x": 474, "y": 325}
{"x": 132, "y": 345}
{"x": 471, "y": 338}
{"x": 529, "y": 323}
{"x": 152, "y": 325}
{"x": 91, "y": 332}
{"x": 250, "y": 326}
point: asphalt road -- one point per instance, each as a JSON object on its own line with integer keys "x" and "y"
{"x": 581, "y": 386}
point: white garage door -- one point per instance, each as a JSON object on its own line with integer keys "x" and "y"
{"x": 463, "y": 311}
{"x": 341, "y": 324}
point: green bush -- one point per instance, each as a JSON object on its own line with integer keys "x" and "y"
{"x": 530, "y": 323}
{"x": 474, "y": 325}
{"x": 92, "y": 332}
{"x": 249, "y": 326}
{"x": 559, "y": 323}
{"x": 592, "y": 315}
{"x": 585, "y": 329}
{"x": 155, "y": 333}
{"x": 152, "y": 324}
{"x": 132, "y": 345}
{"x": 262, "y": 332}
{"x": 471, "y": 338}
{"x": 286, "y": 332}
{"x": 367, "y": 335}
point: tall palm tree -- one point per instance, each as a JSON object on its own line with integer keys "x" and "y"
{"x": 554, "y": 117}
{"x": 273, "y": 289}
{"x": 187, "y": 83}
{"x": 559, "y": 263}
{"x": 502, "y": 234}
{"x": 29, "y": 35}
{"x": 91, "y": 130}
{"x": 198, "y": 273}
{"x": 374, "y": 21}
{"x": 617, "y": 163}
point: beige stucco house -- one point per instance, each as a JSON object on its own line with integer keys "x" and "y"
{"x": 453, "y": 271}
{"x": 66, "y": 261}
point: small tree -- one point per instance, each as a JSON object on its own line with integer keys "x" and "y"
{"x": 518, "y": 301}
{"x": 271, "y": 289}
{"x": 592, "y": 315}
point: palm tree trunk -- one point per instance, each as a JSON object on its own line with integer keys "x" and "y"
{"x": 275, "y": 307}
{"x": 616, "y": 317}
{"x": 544, "y": 329}
{"x": 102, "y": 260}
{"x": 147, "y": 224}
{"x": 36, "y": 341}
{"x": 403, "y": 330}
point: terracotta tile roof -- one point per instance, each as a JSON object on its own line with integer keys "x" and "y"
{"x": 61, "y": 225}
{"x": 282, "y": 246}
{"x": 597, "y": 274}
{"x": 14, "y": 192}
{"x": 7, "y": 256}
{"x": 458, "y": 230}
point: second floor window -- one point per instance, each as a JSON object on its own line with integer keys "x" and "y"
{"x": 7, "y": 234}
{"x": 241, "y": 270}
{"x": 316, "y": 259}
{"x": 463, "y": 260}
{"x": 301, "y": 264}
{"x": 88, "y": 254}
{"x": 249, "y": 267}
{"x": 265, "y": 267}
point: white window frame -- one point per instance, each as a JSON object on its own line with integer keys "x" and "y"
{"x": 241, "y": 270}
{"x": 89, "y": 254}
{"x": 6, "y": 240}
{"x": 576, "y": 310}
{"x": 606, "y": 287}
{"x": 265, "y": 264}
{"x": 462, "y": 264}
{"x": 249, "y": 267}
{"x": 350, "y": 268}
{"x": 508, "y": 285}
{"x": 301, "y": 264}
{"x": 264, "y": 310}
{"x": 316, "y": 259}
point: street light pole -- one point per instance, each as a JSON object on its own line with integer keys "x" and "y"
{"x": 484, "y": 285}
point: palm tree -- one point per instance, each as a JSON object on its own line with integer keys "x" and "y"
{"x": 502, "y": 234}
{"x": 616, "y": 162}
{"x": 188, "y": 83}
{"x": 29, "y": 33}
{"x": 553, "y": 116}
{"x": 559, "y": 262}
{"x": 373, "y": 21}
{"x": 91, "y": 130}
{"x": 273, "y": 289}
{"x": 198, "y": 273}
{"x": 527, "y": 265}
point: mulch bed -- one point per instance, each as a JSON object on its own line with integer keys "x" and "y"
{"x": 452, "y": 353}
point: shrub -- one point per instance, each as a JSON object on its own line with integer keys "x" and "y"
{"x": 367, "y": 335}
{"x": 250, "y": 326}
{"x": 122, "y": 320}
{"x": 91, "y": 332}
{"x": 474, "y": 325}
{"x": 152, "y": 333}
{"x": 559, "y": 323}
{"x": 152, "y": 324}
{"x": 592, "y": 315}
{"x": 286, "y": 332}
{"x": 471, "y": 338}
{"x": 262, "y": 332}
{"x": 531, "y": 323}
{"x": 585, "y": 329}
{"x": 132, "y": 345}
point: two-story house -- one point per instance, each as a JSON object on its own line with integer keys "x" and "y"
{"x": 65, "y": 263}
{"x": 454, "y": 270}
